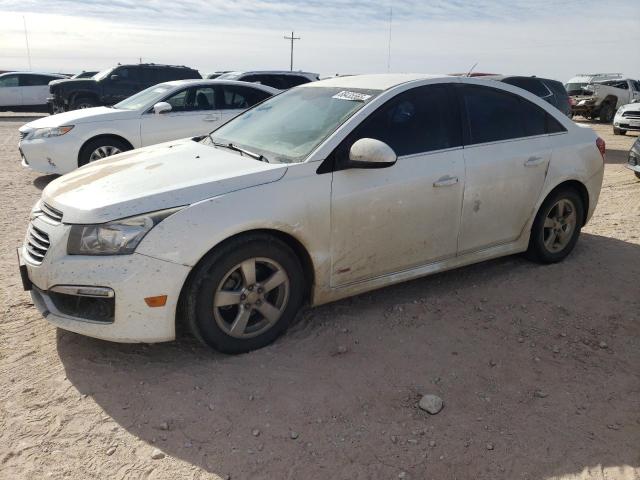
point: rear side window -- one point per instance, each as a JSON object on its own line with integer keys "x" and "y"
{"x": 532, "y": 85}
{"x": 9, "y": 81}
{"x": 291, "y": 81}
{"x": 234, "y": 97}
{"x": 416, "y": 121}
{"x": 492, "y": 115}
{"x": 35, "y": 80}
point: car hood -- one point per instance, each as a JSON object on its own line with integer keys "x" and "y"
{"x": 75, "y": 117}
{"x": 154, "y": 178}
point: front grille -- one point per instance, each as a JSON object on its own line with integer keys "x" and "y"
{"x": 51, "y": 213}
{"x": 632, "y": 114}
{"x": 37, "y": 244}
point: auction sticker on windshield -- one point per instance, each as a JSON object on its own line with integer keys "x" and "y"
{"x": 353, "y": 96}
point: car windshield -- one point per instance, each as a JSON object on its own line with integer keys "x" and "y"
{"x": 286, "y": 128}
{"x": 103, "y": 74}
{"x": 575, "y": 88}
{"x": 229, "y": 76}
{"x": 142, "y": 99}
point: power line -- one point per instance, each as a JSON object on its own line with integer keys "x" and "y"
{"x": 292, "y": 38}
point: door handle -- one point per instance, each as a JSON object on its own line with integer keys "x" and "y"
{"x": 533, "y": 161}
{"x": 211, "y": 119}
{"x": 445, "y": 181}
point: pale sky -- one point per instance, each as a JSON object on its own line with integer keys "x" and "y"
{"x": 549, "y": 38}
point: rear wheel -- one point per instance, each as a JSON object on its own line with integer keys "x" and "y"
{"x": 100, "y": 148}
{"x": 245, "y": 294}
{"x": 556, "y": 227}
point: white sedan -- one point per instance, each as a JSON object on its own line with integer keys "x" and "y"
{"x": 328, "y": 190}
{"x": 167, "y": 111}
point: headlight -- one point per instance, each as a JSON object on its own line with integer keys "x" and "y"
{"x": 50, "y": 132}
{"x": 119, "y": 237}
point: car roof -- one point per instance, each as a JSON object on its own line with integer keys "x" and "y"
{"x": 382, "y": 81}
{"x": 34, "y": 73}
{"x": 215, "y": 81}
{"x": 270, "y": 72}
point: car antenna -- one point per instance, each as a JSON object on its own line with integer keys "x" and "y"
{"x": 471, "y": 69}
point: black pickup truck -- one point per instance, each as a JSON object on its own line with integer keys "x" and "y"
{"x": 113, "y": 85}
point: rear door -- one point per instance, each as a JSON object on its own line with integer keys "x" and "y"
{"x": 506, "y": 154}
{"x": 10, "y": 91}
{"x": 193, "y": 113}
{"x": 35, "y": 89}
{"x": 407, "y": 215}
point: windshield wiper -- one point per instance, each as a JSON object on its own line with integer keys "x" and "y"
{"x": 242, "y": 151}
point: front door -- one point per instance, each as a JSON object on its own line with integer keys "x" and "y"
{"x": 407, "y": 215}
{"x": 193, "y": 113}
{"x": 507, "y": 153}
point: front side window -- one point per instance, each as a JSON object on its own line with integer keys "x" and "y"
{"x": 419, "y": 120}
{"x": 288, "y": 127}
{"x": 9, "y": 81}
{"x": 178, "y": 101}
{"x": 204, "y": 98}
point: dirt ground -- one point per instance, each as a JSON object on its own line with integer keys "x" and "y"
{"x": 538, "y": 367}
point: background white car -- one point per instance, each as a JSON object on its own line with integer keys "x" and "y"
{"x": 327, "y": 190}
{"x": 167, "y": 111}
{"x": 627, "y": 118}
{"x": 25, "y": 90}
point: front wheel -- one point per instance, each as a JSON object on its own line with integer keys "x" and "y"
{"x": 606, "y": 113}
{"x": 556, "y": 227}
{"x": 245, "y": 294}
{"x": 637, "y": 175}
{"x": 84, "y": 102}
{"x": 100, "y": 148}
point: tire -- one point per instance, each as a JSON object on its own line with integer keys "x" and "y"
{"x": 622, "y": 132}
{"x": 100, "y": 148}
{"x": 542, "y": 247}
{"x": 221, "y": 298}
{"x": 637, "y": 175}
{"x": 616, "y": 131}
{"x": 606, "y": 113}
{"x": 83, "y": 102}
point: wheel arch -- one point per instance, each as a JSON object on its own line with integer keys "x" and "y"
{"x": 579, "y": 187}
{"x": 83, "y": 93}
{"x": 103, "y": 135}
{"x": 292, "y": 242}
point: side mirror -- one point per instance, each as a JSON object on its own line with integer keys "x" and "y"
{"x": 115, "y": 78}
{"x": 161, "y": 107}
{"x": 371, "y": 153}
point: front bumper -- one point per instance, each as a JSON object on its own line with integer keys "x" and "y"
{"x": 634, "y": 161}
{"x": 50, "y": 155}
{"x": 131, "y": 278}
{"x": 626, "y": 123}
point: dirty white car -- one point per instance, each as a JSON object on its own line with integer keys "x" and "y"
{"x": 167, "y": 111}
{"x": 328, "y": 190}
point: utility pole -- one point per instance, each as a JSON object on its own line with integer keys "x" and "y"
{"x": 389, "y": 49}
{"x": 292, "y": 38}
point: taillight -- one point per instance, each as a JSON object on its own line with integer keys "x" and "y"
{"x": 601, "y": 146}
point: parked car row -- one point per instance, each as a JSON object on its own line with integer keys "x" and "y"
{"x": 601, "y": 95}
{"x": 25, "y": 90}
{"x": 167, "y": 111}
{"x": 327, "y": 190}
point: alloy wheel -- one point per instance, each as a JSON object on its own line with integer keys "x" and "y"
{"x": 251, "y": 297}
{"x": 559, "y": 225}
{"x": 103, "y": 152}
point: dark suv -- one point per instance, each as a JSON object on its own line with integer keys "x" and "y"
{"x": 113, "y": 85}
{"x": 551, "y": 91}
